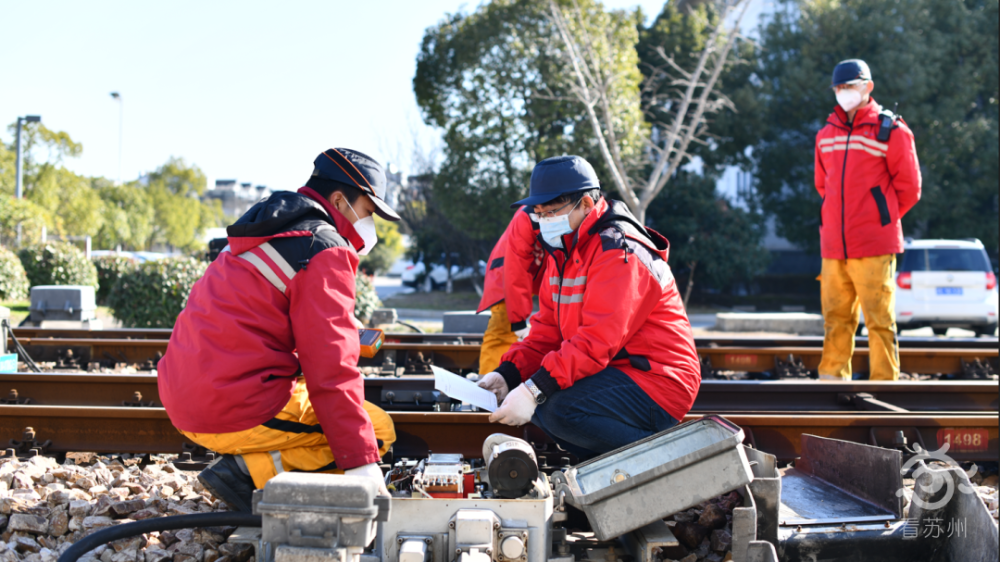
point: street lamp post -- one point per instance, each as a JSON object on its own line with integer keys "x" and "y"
{"x": 19, "y": 165}
{"x": 121, "y": 114}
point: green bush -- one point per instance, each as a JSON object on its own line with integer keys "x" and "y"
{"x": 109, "y": 269}
{"x": 13, "y": 280}
{"x": 153, "y": 294}
{"x": 57, "y": 263}
{"x": 365, "y": 298}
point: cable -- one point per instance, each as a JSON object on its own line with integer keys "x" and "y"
{"x": 226, "y": 518}
{"x": 20, "y": 350}
{"x": 410, "y": 326}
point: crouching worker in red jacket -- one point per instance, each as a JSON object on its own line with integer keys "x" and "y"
{"x": 513, "y": 276}
{"x": 610, "y": 358}
{"x": 262, "y": 362}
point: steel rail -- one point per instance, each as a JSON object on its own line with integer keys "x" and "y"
{"x": 417, "y": 393}
{"x": 149, "y": 430}
{"x": 78, "y": 353}
{"x": 409, "y": 337}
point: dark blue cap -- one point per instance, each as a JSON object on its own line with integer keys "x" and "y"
{"x": 556, "y": 176}
{"x": 359, "y": 170}
{"x": 849, "y": 71}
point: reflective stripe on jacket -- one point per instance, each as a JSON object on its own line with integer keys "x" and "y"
{"x": 279, "y": 304}
{"x": 866, "y": 185}
{"x": 610, "y": 299}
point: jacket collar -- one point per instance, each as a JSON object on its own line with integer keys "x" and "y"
{"x": 344, "y": 226}
{"x": 867, "y": 115}
{"x": 584, "y": 233}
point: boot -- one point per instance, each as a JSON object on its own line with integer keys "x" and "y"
{"x": 226, "y": 481}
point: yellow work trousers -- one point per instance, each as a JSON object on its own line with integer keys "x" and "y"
{"x": 870, "y": 283}
{"x": 497, "y": 339}
{"x": 268, "y": 452}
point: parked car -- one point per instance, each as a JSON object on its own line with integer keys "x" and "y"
{"x": 399, "y": 267}
{"x": 946, "y": 284}
{"x": 414, "y": 275}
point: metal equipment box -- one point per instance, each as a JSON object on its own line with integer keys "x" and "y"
{"x": 62, "y": 302}
{"x": 681, "y": 467}
{"x": 308, "y": 514}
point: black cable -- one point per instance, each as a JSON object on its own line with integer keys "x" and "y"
{"x": 20, "y": 350}
{"x": 410, "y": 326}
{"x": 218, "y": 519}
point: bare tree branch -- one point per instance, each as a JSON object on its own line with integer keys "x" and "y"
{"x": 618, "y": 175}
{"x": 674, "y": 99}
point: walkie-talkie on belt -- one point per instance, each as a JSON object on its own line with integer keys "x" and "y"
{"x": 886, "y": 121}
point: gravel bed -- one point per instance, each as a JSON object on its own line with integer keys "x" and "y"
{"x": 45, "y": 507}
{"x": 705, "y": 532}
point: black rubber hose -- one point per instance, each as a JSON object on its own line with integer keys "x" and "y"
{"x": 225, "y": 518}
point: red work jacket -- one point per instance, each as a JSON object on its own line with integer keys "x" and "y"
{"x": 513, "y": 273}
{"x": 610, "y": 299}
{"x": 866, "y": 185}
{"x": 286, "y": 285}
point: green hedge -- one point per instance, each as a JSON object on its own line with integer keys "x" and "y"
{"x": 13, "y": 280}
{"x": 154, "y": 293}
{"x": 109, "y": 269}
{"x": 366, "y": 299}
{"x": 57, "y": 263}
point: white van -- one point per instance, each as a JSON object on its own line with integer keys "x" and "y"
{"x": 945, "y": 284}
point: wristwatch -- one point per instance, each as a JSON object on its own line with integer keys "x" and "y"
{"x": 535, "y": 391}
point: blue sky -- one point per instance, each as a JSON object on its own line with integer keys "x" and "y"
{"x": 246, "y": 90}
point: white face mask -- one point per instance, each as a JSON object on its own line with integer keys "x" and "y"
{"x": 366, "y": 230}
{"x": 848, "y": 98}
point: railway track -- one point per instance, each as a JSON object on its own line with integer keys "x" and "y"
{"x": 407, "y": 357}
{"x": 409, "y": 337}
{"x": 417, "y": 394}
{"x": 71, "y": 410}
{"x": 121, "y": 413}
{"x": 60, "y": 429}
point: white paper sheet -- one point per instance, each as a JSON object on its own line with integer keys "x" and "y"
{"x": 461, "y": 388}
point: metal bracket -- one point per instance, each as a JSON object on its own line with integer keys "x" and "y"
{"x": 792, "y": 368}
{"x": 978, "y": 369}
{"x": 868, "y": 402}
{"x": 137, "y": 402}
{"x": 194, "y": 457}
{"x": 706, "y": 367}
{"x": 14, "y": 398}
{"x": 898, "y": 440}
{"x": 417, "y": 364}
{"x": 27, "y": 446}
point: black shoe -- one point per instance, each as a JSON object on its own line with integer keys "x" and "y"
{"x": 227, "y": 482}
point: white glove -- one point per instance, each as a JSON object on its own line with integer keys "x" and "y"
{"x": 517, "y": 409}
{"x": 523, "y": 332}
{"x": 372, "y": 471}
{"x": 494, "y": 383}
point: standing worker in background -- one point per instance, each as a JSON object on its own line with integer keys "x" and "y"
{"x": 277, "y": 306}
{"x": 610, "y": 358}
{"x": 513, "y": 276}
{"x": 868, "y": 176}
